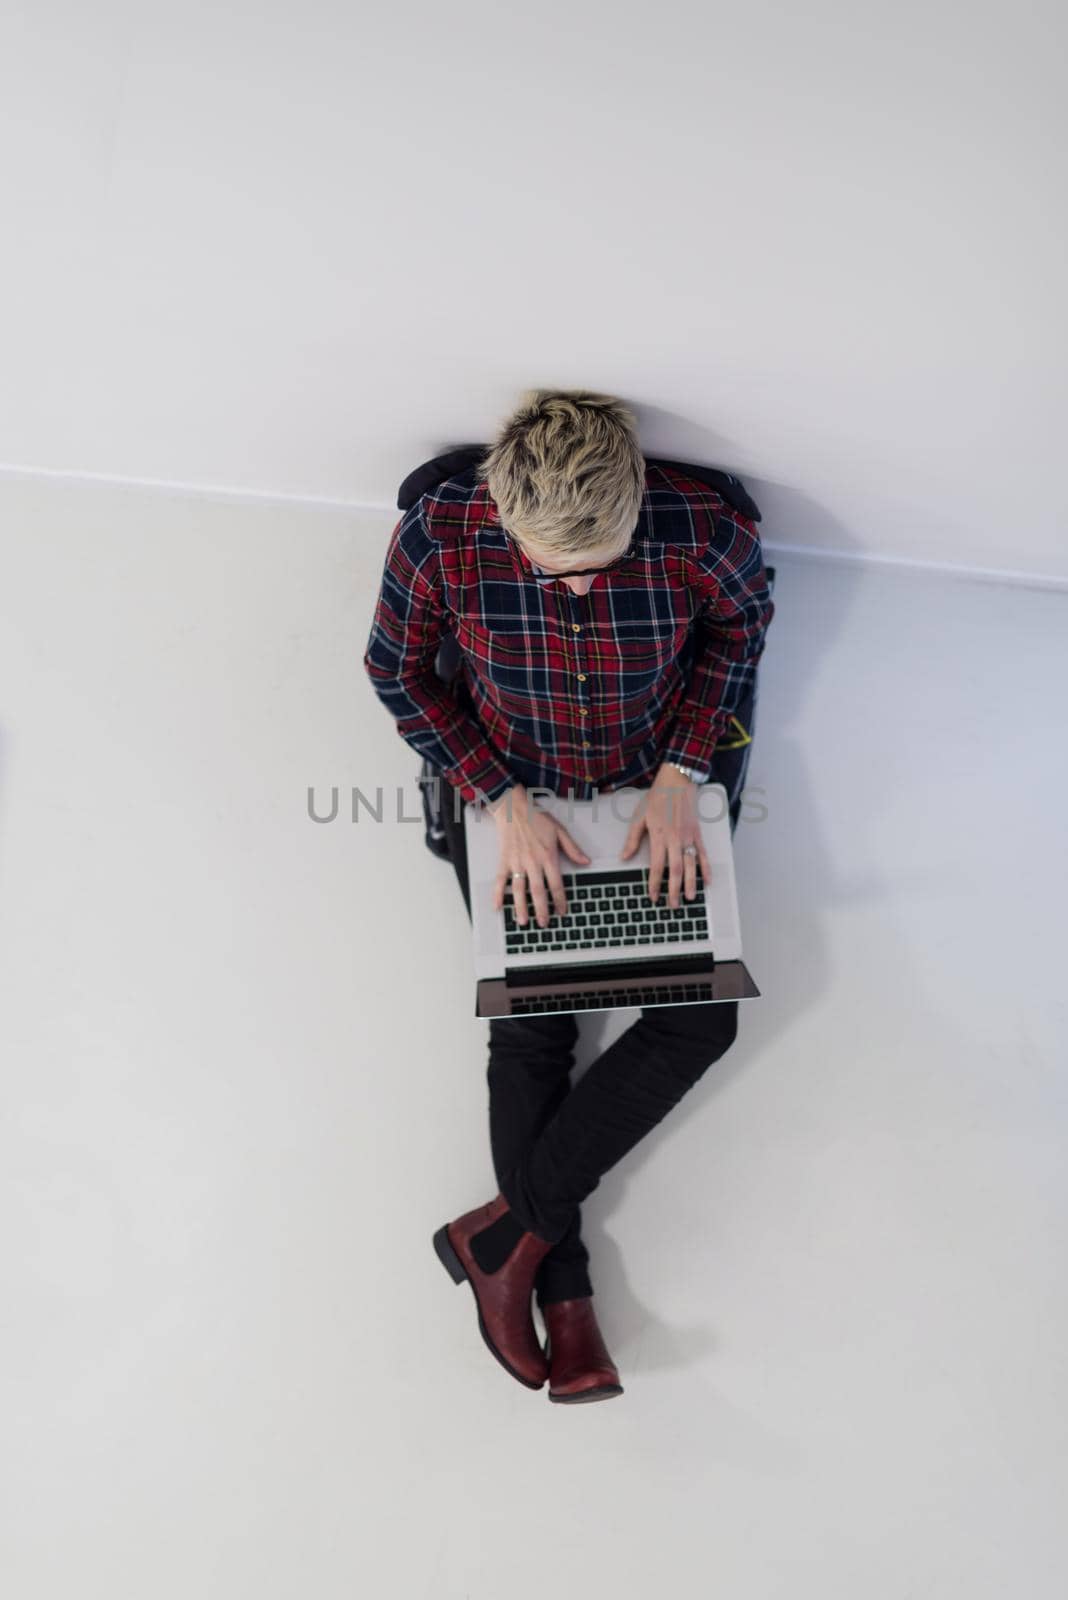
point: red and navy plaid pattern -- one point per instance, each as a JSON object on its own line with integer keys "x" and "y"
{"x": 565, "y": 691}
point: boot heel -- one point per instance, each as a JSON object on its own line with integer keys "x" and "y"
{"x": 448, "y": 1257}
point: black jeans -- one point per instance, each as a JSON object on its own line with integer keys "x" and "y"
{"x": 551, "y": 1143}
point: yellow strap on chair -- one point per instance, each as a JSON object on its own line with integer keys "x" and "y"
{"x": 736, "y": 744}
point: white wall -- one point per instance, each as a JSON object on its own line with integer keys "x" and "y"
{"x": 294, "y": 248}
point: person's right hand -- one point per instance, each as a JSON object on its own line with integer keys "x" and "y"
{"x": 529, "y": 840}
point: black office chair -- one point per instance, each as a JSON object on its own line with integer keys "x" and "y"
{"x": 730, "y": 761}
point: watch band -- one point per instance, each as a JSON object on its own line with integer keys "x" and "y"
{"x": 689, "y": 772}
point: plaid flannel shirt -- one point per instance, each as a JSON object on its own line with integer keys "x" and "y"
{"x": 568, "y": 692}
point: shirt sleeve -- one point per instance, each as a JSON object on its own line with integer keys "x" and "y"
{"x": 408, "y": 624}
{"x": 733, "y": 614}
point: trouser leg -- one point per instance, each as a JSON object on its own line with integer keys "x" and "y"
{"x": 530, "y": 1062}
{"x": 629, "y": 1089}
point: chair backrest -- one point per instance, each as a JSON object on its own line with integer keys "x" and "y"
{"x": 463, "y": 459}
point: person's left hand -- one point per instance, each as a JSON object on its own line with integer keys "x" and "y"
{"x": 668, "y": 809}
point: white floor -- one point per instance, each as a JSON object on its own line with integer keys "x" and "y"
{"x": 243, "y": 1084}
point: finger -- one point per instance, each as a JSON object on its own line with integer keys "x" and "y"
{"x": 536, "y": 880}
{"x": 499, "y": 883}
{"x": 519, "y": 899}
{"x": 706, "y": 870}
{"x": 656, "y": 867}
{"x": 674, "y": 873}
{"x": 689, "y": 875}
{"x": 575, "y": 851}
{"x": 630, "y": 844}
{"x": 634, "y": 832}
{"x": 556, "y": 886}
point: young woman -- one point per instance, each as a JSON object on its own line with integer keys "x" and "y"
{"x": 610, "y": 615}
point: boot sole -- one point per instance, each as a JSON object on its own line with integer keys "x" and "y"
{"x": 585, "y": 1394}
{"x": 459, "y": 1274}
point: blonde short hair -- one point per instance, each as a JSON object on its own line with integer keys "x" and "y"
{"x": 566, "y": 471}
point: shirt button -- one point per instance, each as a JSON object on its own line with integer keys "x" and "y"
{"x": 585, "y": 744}
{"x": 576, "y": 627}
{"x": 581, "y": 677}
{"x": 583, "y": 712}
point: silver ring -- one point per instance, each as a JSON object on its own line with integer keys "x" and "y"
{"x": 516, "y": 875}
{"x": 689, "y": 849}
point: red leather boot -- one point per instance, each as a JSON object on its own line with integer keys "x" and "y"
{"x": 580, "y": 1367}
{"x": 502, "y": 1297}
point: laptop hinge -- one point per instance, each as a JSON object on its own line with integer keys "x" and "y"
{"x": 623, "y": 968}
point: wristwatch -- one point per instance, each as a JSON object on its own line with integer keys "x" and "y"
{"x": 689, "y": 772}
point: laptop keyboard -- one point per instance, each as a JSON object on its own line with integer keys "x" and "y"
{"x": 617, "y": 999}
{"x": 608, "y": 910}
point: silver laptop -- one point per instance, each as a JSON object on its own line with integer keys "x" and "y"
{"x": 614, "y": 948}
